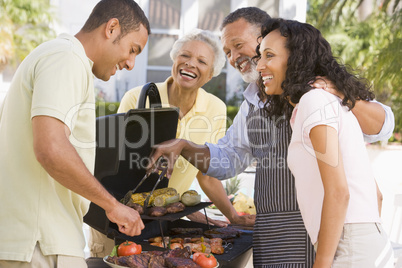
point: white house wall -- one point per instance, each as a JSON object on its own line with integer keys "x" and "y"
{"x": 72, "y": 14}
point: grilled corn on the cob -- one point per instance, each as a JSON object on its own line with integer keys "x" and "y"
{"x": 165, "y": 199}
{"x": 190, "y": 198}
{"x": 139, "y": 198}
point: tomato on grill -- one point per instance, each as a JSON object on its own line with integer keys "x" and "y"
{"x": 128, "y": 248}
{"x": 205, "y": 260}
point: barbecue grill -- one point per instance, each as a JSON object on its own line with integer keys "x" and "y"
{"x": 124, "y": 143}
{"x": 236, "y": 254}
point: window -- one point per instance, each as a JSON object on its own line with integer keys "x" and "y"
{"x": 164, "y": 14}
{"x": 211, "y": 14}
{"x": 159, "y": 48}
{"x": 164, "y": 17}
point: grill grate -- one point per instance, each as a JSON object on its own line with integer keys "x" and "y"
{"x": 235, "y": 255}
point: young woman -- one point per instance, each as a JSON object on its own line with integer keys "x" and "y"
{"x": 336, "y": 190}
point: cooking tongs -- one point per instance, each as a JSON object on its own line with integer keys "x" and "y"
{"x": 127, "y": 196}
{"x": 164, "y": 166}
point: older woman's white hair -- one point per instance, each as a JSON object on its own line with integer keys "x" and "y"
{"x": 206, "y": 37}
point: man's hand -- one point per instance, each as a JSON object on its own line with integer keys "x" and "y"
{"x": 246, "y": 220}
{"x": 169, "y": 150}
{"x": 127, "y": 219}
{"x": 197, "y": 155}
{"x": 199, "y": 217}
{"x": 327, "y": 85}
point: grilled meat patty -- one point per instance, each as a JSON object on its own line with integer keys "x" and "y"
{"x": 186, "y": 231}
{"x": 136, "y": 207}
{"x": 157, "y": 211}
{"x": 181, "y": 263}
{"x": 175, "y": 207}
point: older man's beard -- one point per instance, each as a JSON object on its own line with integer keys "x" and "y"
{"x": 252, "y": 75}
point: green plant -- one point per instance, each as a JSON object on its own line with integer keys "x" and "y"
{"x": 396, "y": 137}
{"x": 232, "y": 186}
{"x": 24, "y": 24}
{"x": 106, "y": 108}
{"x": 231, "y": 114}
{"x": 368, "y": 43}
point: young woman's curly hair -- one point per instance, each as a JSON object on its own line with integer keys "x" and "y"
{"x": 309, "y": 56}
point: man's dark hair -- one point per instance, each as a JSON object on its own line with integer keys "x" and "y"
{"x": 253, "y": 15}
{"x": 128, "y": 12}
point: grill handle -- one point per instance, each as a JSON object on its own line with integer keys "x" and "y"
{"x": 151, "y": 91}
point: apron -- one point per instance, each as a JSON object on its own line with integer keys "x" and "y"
{"x": 280, "y": 239}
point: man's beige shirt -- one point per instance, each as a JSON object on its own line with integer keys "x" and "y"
{"x": 55, "y": 80}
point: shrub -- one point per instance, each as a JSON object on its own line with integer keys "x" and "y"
{"x": 106, "y": 108}
{"x": 231, "y": 114}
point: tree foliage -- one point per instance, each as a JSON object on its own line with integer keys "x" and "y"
{"x": 24, "y": 24}
{"x": 372, "y": 45}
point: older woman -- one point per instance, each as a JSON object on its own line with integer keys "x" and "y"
{"x": 197, "y": 57}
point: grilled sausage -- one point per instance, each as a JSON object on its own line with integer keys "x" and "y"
{"x": 157, "y": 211}
{"x": 175, "y": 207}
{"x": 137, "y": 207}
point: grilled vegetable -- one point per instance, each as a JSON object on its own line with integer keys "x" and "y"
{"x": 129, "y": 248}
{"x": 191, "y": 192}
{"x": 191, "y": 198}
{"x": 168, "y": 190}
{"x": 139, "y": 198}
{"x": 165, "y": 199}
{"x": 205, "y": 260}
{"x": 163, "y": 191}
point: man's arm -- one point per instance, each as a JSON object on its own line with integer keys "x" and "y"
{"x": 373, "y": 117}
{"x": 197, "y": 155}
{"x": 198, "y": 216}
{"x": 59, "y": 158}
{"x": 213, "y": 188}
{"x": 230, "y": 156}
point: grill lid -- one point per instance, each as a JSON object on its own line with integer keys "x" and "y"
{"x": 124, "y": 142}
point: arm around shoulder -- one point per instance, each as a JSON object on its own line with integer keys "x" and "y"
{"x": 376, "y": 120}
